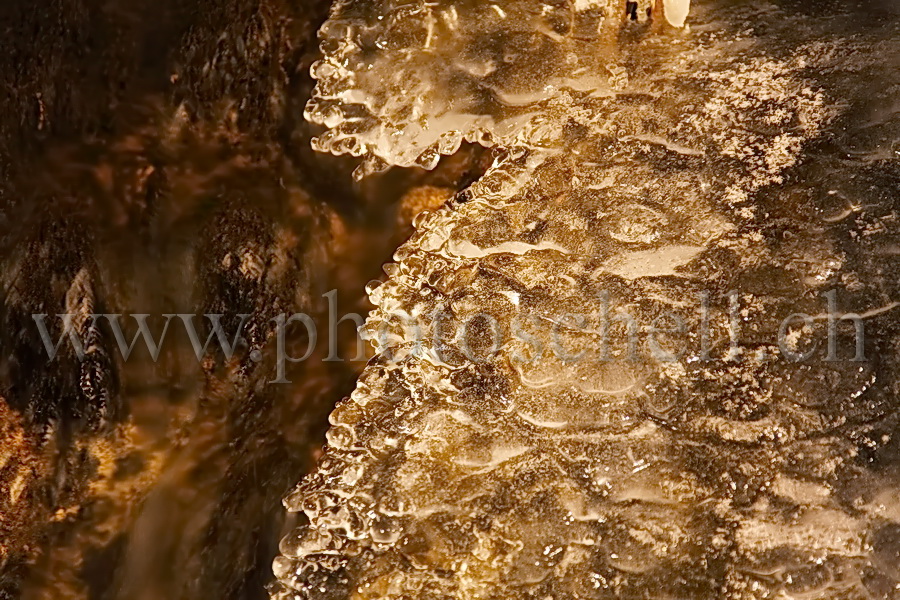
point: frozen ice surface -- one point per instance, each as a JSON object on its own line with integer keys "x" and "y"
{"x": 384, "y": 85}
{"x": 528, "y": 441}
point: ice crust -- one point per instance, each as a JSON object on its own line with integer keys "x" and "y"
{"x": 636, "y": 175}
{"x": 383, "y": 82}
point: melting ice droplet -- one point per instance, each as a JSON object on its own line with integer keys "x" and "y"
{"x": 676, "y": 11}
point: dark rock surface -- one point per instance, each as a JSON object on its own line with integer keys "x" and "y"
{"x": 153, "y": 159}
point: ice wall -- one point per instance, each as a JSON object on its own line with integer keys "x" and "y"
{"x": 526, "y": 432}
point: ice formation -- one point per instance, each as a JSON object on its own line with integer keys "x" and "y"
{"x": 676, "y": 11}
{"x": 525, "y": 439}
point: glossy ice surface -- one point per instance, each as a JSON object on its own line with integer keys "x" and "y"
{"x": 726, "y": 176}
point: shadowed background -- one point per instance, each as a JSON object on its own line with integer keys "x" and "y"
{"x": 154, "y": 159}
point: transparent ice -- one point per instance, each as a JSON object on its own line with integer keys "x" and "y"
{"x": 640, "y": 168}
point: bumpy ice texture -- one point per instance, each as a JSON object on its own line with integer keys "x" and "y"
{"x": 517, "y": 436}
{"x": 384, "y": 85}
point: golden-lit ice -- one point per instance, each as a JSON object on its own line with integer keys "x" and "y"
{"x": 527, "y": 431}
